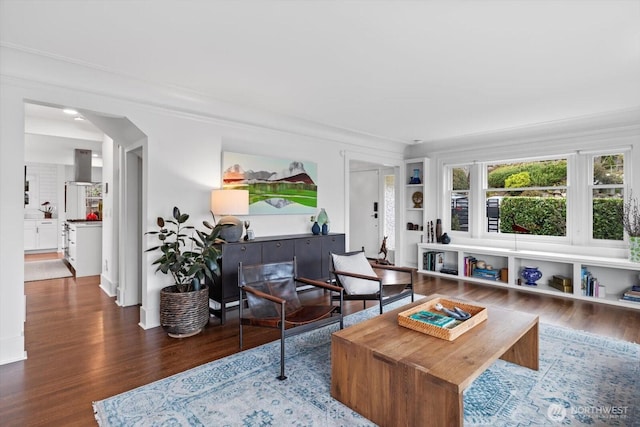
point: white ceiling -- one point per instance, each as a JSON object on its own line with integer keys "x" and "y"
{"x": 48, "y": 120}
{"x": 404, "y": 70}
{"x": 68, "y": 134}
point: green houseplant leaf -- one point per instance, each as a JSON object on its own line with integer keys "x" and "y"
{"x": 189, "y": 258}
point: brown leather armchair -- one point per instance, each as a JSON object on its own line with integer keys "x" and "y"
{"x": 270, "y": 292}
{"x": 365, "y": 281}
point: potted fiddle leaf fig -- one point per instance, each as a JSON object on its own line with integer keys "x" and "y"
{"x": 189, "y": 256}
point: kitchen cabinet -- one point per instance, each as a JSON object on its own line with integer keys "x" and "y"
{"x": 41, "y": 234}
{"x": 84, "y": 248}
{"x": 311, "y": 252}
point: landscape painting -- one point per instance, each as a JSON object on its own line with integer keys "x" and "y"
{"x": 276, "y": 186}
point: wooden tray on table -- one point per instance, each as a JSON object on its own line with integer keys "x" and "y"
{"x": 449, "y": 332}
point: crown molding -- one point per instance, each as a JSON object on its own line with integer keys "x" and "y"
{"x": 588, "y": 129}
{"x": 38, "y": 70}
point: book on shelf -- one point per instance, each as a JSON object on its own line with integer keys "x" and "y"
{"x": 590, "y": 284}
{"x": 486, "y": 274}
{"x": 432, "y": 318}
{"x": 469, "y": 265}
{"x": 449, "y": 270}
{"x": 632, "y": 294}
{"x": 433, "y": 261}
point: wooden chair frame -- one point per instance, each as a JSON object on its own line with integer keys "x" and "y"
{"x": 287, "y": 324}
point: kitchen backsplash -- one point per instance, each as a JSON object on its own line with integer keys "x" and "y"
{"x": 43, "y": 188}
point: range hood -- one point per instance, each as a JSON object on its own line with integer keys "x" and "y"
{"x": 82, "y": 167}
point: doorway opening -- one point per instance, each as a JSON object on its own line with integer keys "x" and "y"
{"x": 372, "y": 208}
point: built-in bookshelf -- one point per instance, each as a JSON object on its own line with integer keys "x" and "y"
{"x": 415, "y": 199}
{"x": 590, "y": 278}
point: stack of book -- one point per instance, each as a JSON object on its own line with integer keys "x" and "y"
{"x": 435, "y": 319}
{"x": 449, "y": 269}
{"x": 483, "y": 273}
{"x": 633, "y": 294}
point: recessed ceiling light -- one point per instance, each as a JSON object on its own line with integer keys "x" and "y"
{"x": 70, "y": 111}
{"x": 79, "y": 118}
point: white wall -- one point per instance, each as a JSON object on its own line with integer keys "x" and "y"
{"x": 186, "y": 136}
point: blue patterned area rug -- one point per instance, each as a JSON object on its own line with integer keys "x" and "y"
{"x": 584, "y": 379}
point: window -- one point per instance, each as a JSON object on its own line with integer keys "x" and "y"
{"x": 570, "y": 198}
{"x": 459, "y": 197}
{"x": 527, "y": 197}
{"x": 607, "y": 190}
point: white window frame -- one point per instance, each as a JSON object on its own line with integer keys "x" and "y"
{"x": 448, "y": 168}
{"x": 590, "y": 186}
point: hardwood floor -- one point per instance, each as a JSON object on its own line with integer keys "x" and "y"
{"x": 82, "y": 347}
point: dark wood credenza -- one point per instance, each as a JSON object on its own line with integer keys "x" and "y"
{"x": 311, "y": 252}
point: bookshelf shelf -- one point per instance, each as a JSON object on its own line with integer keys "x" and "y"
{"x": 614, "y": 275}
{"x": 414, "y": 201}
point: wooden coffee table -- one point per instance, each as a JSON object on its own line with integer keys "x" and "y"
{"x": 395, "y": 376}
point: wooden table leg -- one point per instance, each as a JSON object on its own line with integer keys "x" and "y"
{"x": 432, "y": 401}
{"x": 525, "y": 351}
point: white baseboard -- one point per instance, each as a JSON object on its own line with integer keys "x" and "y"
{"x": 107, "y": 286}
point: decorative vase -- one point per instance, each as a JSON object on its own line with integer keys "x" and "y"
{"x": 325, "y": 229}
{"x": 445, "y": 239}
{"x": 48, "y": 215}
{"x": 323, "y": 218}
{"x": 315, "y": 229}
{"x": 184, "y": 314}
{"x": 531, "y": 275}
{"x": 439, "y": 230}
{"x": 415, "y": 179}
{"x": 634, "y": 248}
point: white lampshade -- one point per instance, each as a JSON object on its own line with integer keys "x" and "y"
{"x": 230, "y": 202}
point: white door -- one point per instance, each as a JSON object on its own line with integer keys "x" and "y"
{"x": 364, "y": 220}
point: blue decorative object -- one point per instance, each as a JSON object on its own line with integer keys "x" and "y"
{"x": 325, "y": 229}
{"x": 415, "y": 179}
{"x": 531, "y": 275}
{"x": 315, "y": 229}
{"x": 445, "y": 239}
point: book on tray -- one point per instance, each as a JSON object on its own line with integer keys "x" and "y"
{"x": 435, "y": 319}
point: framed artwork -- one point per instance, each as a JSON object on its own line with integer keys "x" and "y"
{"x": 276, "y": 186}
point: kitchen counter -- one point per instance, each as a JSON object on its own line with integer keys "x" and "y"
{"x": 84, "y": 247}
{"x": 84, "y": 222}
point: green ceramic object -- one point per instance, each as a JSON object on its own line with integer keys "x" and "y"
{"x": 323, "y": 218}
{"x": 634, "y": 248}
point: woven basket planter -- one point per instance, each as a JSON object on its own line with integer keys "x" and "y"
{"x": 183, "y": 314}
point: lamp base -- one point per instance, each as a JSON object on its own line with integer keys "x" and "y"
{"x": 234, "y": 232}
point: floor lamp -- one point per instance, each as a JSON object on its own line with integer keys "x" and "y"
{"x": 229, "y": 203}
